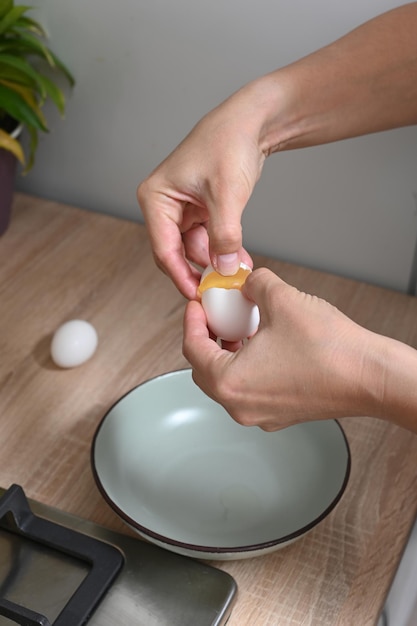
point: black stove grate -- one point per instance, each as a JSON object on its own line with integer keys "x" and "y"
{"x": 105, "y": 561}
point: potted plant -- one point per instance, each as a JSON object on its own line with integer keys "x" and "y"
{"x": 27, "y": 80}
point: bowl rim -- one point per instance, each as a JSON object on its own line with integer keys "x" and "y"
{"x": 198, "y": 548}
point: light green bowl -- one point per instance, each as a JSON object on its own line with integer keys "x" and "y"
{"x": 176, "y": 467}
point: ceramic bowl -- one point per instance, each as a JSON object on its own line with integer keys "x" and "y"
{"x": 174, "y": 466}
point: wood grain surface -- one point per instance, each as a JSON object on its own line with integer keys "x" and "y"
{"x": 59, "y": 263}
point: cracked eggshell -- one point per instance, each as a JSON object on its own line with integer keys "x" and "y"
{"x": 230, "y": 316}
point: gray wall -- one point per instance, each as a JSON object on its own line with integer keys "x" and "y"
{"x": 147, "y": 70}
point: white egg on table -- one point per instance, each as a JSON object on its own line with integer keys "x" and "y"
{"x": 73, "y": 343}
{"x": 230, "y": 315}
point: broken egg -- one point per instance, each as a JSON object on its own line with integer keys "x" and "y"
{"x": 230, "y": 316}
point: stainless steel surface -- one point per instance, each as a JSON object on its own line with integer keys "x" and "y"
{"x": 154, "y": 588}
{"x": 28, "y": 572}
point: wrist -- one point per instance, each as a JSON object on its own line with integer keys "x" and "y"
{"x": 285, "y": 111}
{"x": 378, "y": 378}
{"x": 271, "y": 105}
{"x": 263, "y": 110}
{"x": 389, "y": 380}
{"x": 399, "y": 373}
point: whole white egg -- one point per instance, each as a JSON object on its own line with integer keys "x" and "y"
{"x": 230, "y": 316}
{"x": 73, "y": 343}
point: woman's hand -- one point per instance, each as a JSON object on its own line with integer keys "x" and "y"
{"x": 362, "y": 83}
{"x": 307, "y": 360}
{"x": 193, "y": 202}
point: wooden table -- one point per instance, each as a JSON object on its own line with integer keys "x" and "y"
{"x": 59, "y": 263}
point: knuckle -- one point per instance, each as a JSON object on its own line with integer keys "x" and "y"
{"x": 229, "y": 392}
{"x": 244, "y": 418}
{"x": 141, "y": 191}
{"x": 226, "y": 236}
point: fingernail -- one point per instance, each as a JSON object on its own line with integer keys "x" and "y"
{"x": 227, "y": 264}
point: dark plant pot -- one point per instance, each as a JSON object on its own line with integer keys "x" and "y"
{"x": 8, "y": 163}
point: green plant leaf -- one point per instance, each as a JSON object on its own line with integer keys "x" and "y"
{"x": 16, "y": 106}
{"x": 63, "y": 68}
{"x": 8, "y": 60}
{"x": 28, "y": 96}
{"x": 5, "y": 7}
{"x": 11, "y": 145}
{"x": 29, "y": 44}
{"x": 17, "y": 80}
{"x": 33, "y": 144}
{"x": 26, "y": 23}
{"x": 16, "y": 76}
{"x": 11, "y": 18}
{"x": 25, "y": 81}
{"x": 55, "y": 94}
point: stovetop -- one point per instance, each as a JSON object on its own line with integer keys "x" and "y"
{"x": 60, "y": 570}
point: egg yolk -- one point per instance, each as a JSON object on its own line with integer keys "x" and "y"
{"x": 214, "y": 279}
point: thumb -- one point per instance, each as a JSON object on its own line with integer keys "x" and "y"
{"x": 225, "y": 237}
{"x": 267, "y": 290}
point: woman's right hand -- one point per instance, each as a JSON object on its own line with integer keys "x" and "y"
{"x": 193, "y": 202}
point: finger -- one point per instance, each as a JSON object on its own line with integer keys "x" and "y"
{"x": 266, "y": 289}
{"x": 193, "y": 215}
{"x": 170, "y": 257}
{"x": 228, "y": 196}
{"x": 196, "y": 245}
{"x": 198, "y": 348}
{"x": 225, "y": 237}
{"x": 246, "y": 258}
{"x": 162, "y": 218}
{"x": 228, "y": 264}
{"x": 232, "y": 346}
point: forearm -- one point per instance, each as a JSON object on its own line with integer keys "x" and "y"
{"x": 399, "y": 376}
{"x": 364, "y": 82}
